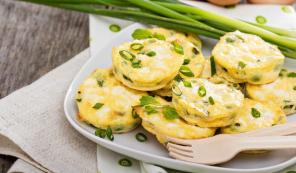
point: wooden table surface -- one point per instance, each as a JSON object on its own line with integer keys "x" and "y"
{"x": 34, "y": 40}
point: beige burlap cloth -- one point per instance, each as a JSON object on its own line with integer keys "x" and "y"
{"x": 34, "y": 129}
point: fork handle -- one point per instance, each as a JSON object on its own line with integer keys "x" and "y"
{"x": 278, "y": 130}
{"x": 266, "y": 143}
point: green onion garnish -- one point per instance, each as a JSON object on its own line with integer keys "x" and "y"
{"x": 140, "y": 34}
{"x": 255, "y": 113}
{"x": 136, "y": 63}
{"x": 135, "y": 115}
{"x": 256, "y": 78}
{"x": 136, "y": 46}
{"x": 176, "y": 90}
{"x": 159, "y": 36}
{"x": 125, "y": 162}
{"x": 195, "y": 51}
{"x": 202, "y": 91}
{"x": 187, "y": 84}
{"x": 78, "y": 100}
{"x": 261, "y": 20}
{"x": 230, "y": 40}
{"x": 148, "y": 100}
{"x": 151, "y": 53}
{"x": 141, "y": 137}
{"x": 186, "y": 71}
{"x": 114, "y": 28}
{"x": 100, "y": 133}
{"x": 100, "y": 82}
{"x": 291, "y": 74}
{"x": 186, "y": 61}
{"x": 178, "y": 48}
{"x": 126, "y": 55}
{"x": 150, "y": 109}
{"x": 282, "y": 72}
{"x": 294, "y": 88}
{"x": 213, "y": 66}
{"x": 178, "y": 78}
{"x": 109, "y": 133}
{"x": 241, "y": 65}
{"x": 170, "y": 113}
{"x": 98, "y": 105}
{"x": 211, "y": 100}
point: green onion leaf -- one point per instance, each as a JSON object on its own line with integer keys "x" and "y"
{"x": 255, "y": 113}
{"x": 241, "y": 65}
{"x": 186, "y": 71}
{"x": 136, "y": 63}
{"x": 148, "y": 100}
{"x": 141, "y": 137}
{"x": 100, "y": 133}
{"x": 170, "y": 113}
{"x": 159, "y": 36}
{"x": 186, "y": 61}
{"x": 202, "y": 91}
{"x": 195, "y": 51}
{"x": 125, "y": 162}
{"x": 178, "y": 48}
{"x": 213, "y": 66}
{"x": 114, "y": 28}
{"x": 136, "y": 46}
{"x": 150, "y": 109}
{"x": 178, "y": 78}
{"x": 151, "y": 53}
{"x": 229, "y": 40}
{"x": 109, "y": 133}
{"x": 187, "y": 84}
{"x": 291, "y": 74}
{"x": 140, "y": 34}
{"x": 211, "y": 100}
{"x": 282, "y": 72}
{"x": 261, "y": 20}
{"x": 176, "y": 90}
{"x": 98, "y": 105}
{"x": 100, "y": 82}
{"x": 126, "y": 55}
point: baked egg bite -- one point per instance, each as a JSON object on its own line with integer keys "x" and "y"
{"x": 206, "y": 104}
{"x": 255, "y": 115}
{"x": 104, "y": 102}
{"x": 146, "y": 65}
{"x": 161, "y": 119}
{"x": 282, "y": 91}
{"x": 248, "y": 58}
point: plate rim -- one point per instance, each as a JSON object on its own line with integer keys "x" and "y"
{"x": 114, "y": 146}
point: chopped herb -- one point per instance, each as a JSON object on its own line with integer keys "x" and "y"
{"x": 256, "y": 78}
{"x": 100, "y": 133}
{"x": 150, "y": 109}
{"x": 261, "y": 20}
{"x": 294, "y": 88}
{"x": 255, "y": 113}
{"x": 187, "y": 84}
{"x": 178, "y": 48}
{"x": 127, "y": 78}
{"x": 230, "y": 40}
{"x": 213, "y": 66}
{"x": 239, "y": 37}
{"x": 141, "y": 137}
{"x": 114, "y": 28}
{"x": 98, "y": 105}
{"x": 100, "y": 82}
{"x": 136, "y": 63}
{"x": 126, "y": 55}
{"x": 195, "y": 51}
{"x": 140, "y": 34}
{"x": 202, "y": 91}
{"x": 211, "y": 100}
{"x": 178, "y": 78}
{"x": 291, "y": 74}
{"x": 241, "y": 65}
{"x": 125, "y": 162}
{"x": 135, "y": 115}
{"x": 159, "y": 36}
{"x": 282, "y": 72}
{"x": 109, "y": 133}
{"x": 136, "y": 46}
{"x": 237, "y": 124}
{"x": 186, "y": 71}
{"x": 148, "y": 100}
{"x": 186, "y": 61}
{"x": 170, "y": 113}
{"x": 176, "y": 90}
{"x": 151, "y": 53}
{"x": 78, "y": 100}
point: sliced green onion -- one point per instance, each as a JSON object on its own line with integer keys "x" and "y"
{"x": 291, "y": 74}
{"x": 261, "y": 20}
{"x": 150, "y": 109}
{"x": 195, "y": 51}
{"x": 282, "y": 72}
{"x": 100, "y": 82}
{"x": 151, "y": 53}
{"x": 256, "y": 78}
{"x": 126, "y": 55}
{"x": 255, "y": 113}
{"x": 186, "y": 71}
{"x": 136, "y": 63}
{"x": 213, "y": 66}
{"x": 159, "y": 36}
{"x": 176, "y": 90}
{"x": 211, "y": 100}
{"x": 141, "y": 137}
{"x": 229, "y": 40}
{"x": 136, "y": 46}
{"x": 148, "y": 100}
{"x": 178, "y": 48}
{"x": 202, "y": 91}
{"x": 98, "y": 105}
{"x": 186, "y": 61}
{"x": 287, "y": 9}
{"x": 187, "y": 84}
{"x": 78, "y": 100}
{"x": 135, "y": 115}
{"x": 114, "y": 28}
{"x": 178, "y": 78}
{"x": 127, "y": 78}
{"x": 109, "y": 133}
{"x": 170, "y": 113}
{"x": 100, "y": 133}
{"x": 241, "y": 65}
{"x": 140, "y": 34}
{"x": 125, "y": 162}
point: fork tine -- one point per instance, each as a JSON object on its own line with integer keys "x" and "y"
{"x": 179, "y": 141}
{"x": 180, "y": 152}
{"x": 180, "y": 157}
{"x": 180, "y": 147}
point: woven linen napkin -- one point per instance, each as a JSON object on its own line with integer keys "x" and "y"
{"x": 33, "y": 126}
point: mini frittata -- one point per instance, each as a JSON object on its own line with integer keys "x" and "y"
{"x": 146, "y": 65}
{"x": 104, "y": 102}
{"x": 255, "y": 115}
{"x": 248, "y": 58}
{"x": 206, "y": 104}
{"x": 282, "y": 91}
{"x": 161, "y": 119}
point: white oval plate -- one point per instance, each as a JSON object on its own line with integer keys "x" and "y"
{"x": 153, "y": 152}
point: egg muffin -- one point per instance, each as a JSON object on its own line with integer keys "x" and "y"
{"x": 206, "y": 104}
{"x": 248, "y": 58}
{"x": 104, "y": 102}
{"x": 161, "y": 119}
{"x": 282, "y": 91}
{"x": 146, "y": 65}
{"x": 254, "y": 115}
